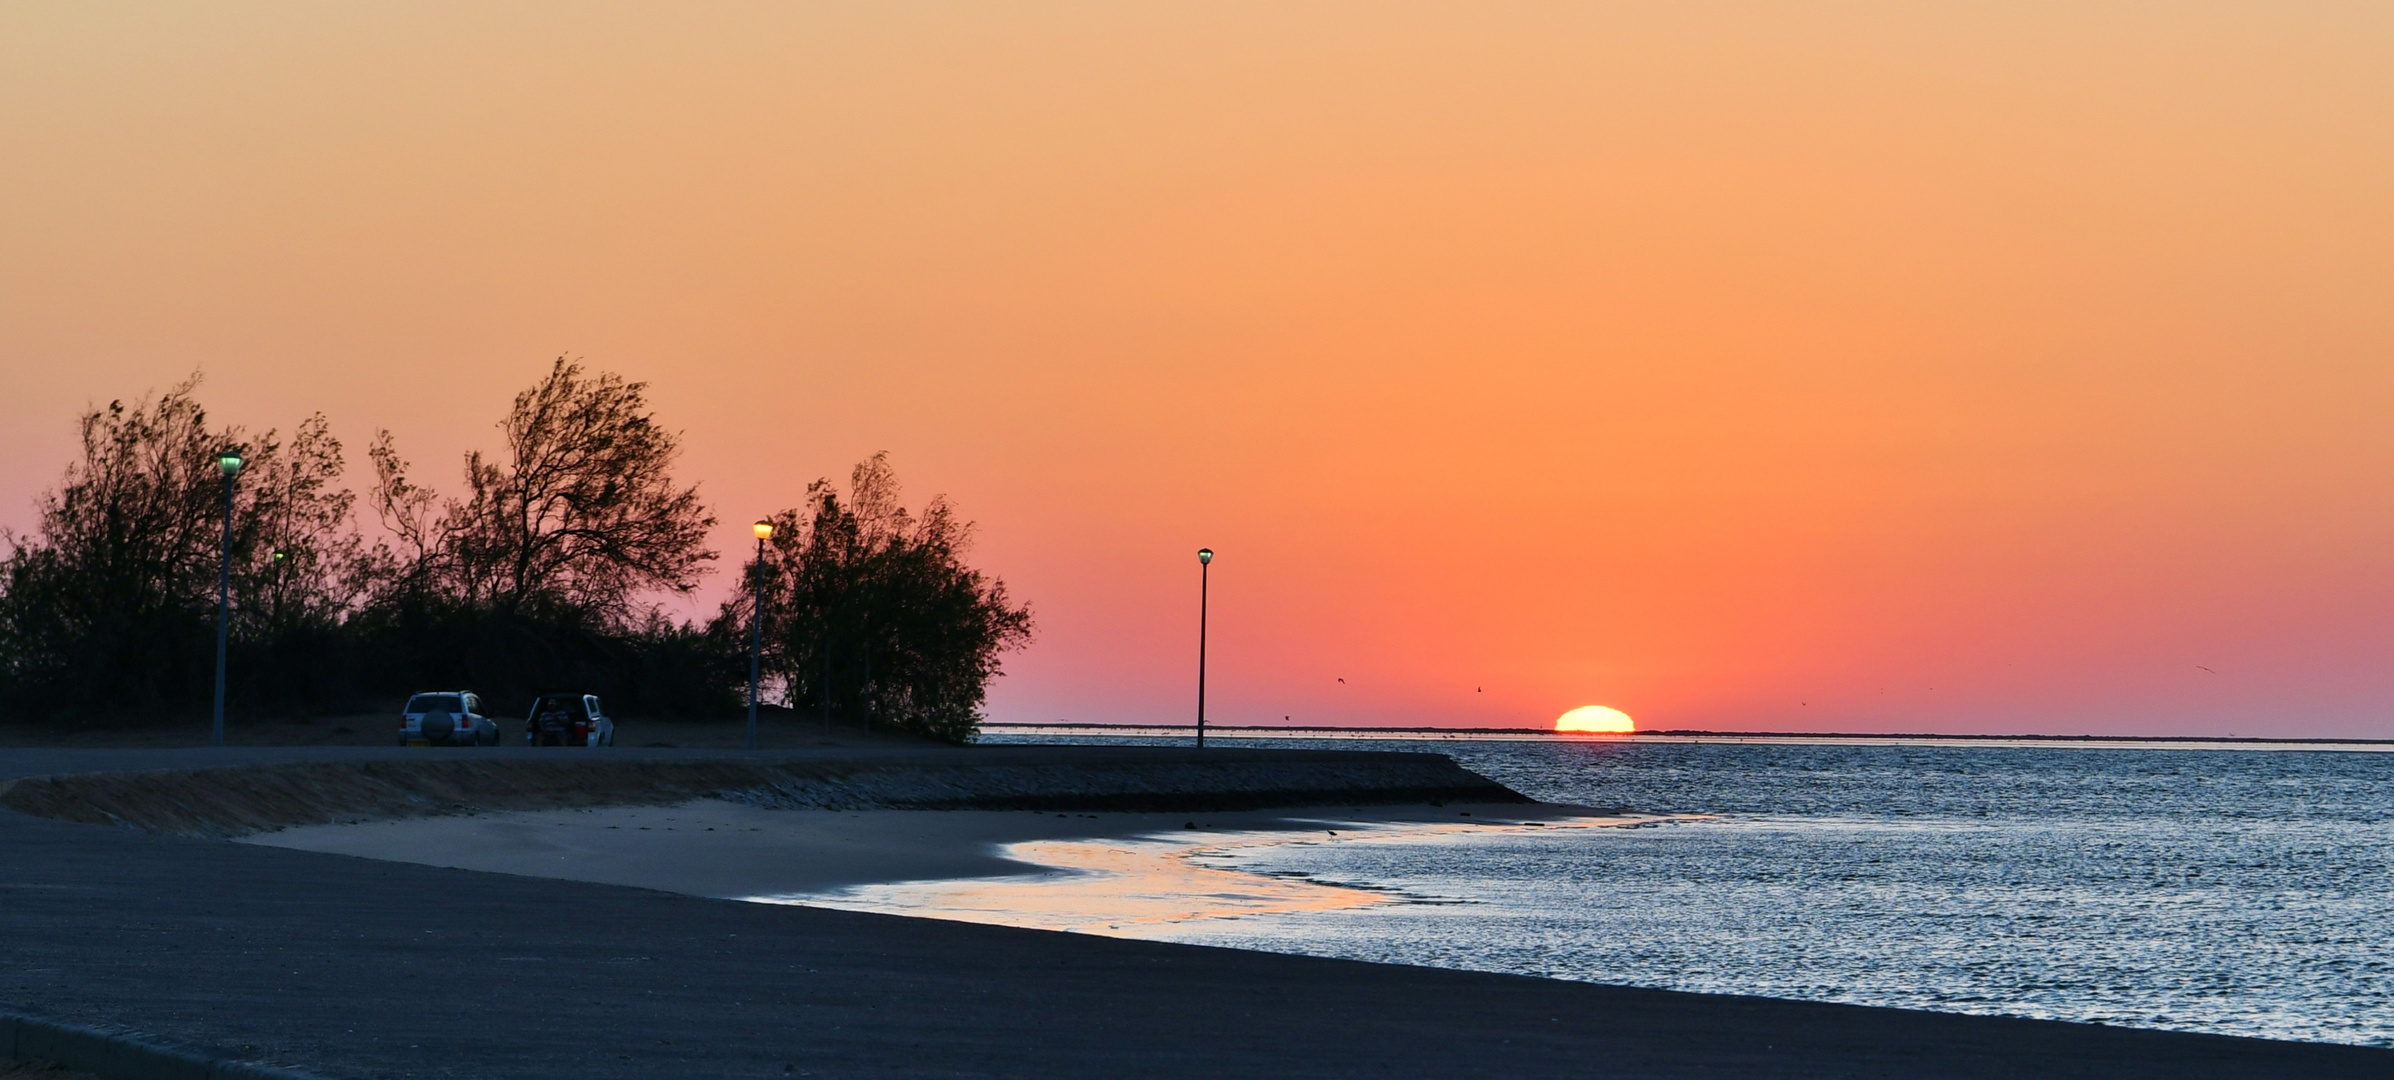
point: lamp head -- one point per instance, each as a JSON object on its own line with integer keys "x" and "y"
{"x": 229, "y": 462}
{"x": 278, "y": 556}
{"x": 764, "y": 530}
{"x": 1205, "y": 555}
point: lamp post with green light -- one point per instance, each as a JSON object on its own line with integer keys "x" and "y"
{"x": 228, "y": 463}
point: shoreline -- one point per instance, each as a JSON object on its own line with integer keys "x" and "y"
{"x": 736, "y": 851}
{"x": 1266, "y": 733}
{"x": 835, "y": 858}
{"x": 1149, "y": 877}
{"x": 344, "y": 966}
{"x": 214, "y": 795}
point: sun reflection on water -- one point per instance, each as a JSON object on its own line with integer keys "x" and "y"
{"x": 1126, "y": 887}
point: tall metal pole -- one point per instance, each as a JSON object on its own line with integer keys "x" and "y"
{"x": 756, "y": 640}
{"x": 224, "y": 606}
{"x": 1205, "y": 562}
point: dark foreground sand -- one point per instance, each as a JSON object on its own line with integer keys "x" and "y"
{"x": 39, "y": 1070}
{"x": 370, "y": 968}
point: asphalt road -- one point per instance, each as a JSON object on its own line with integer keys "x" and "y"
{"x": 358, "y": 968}
{"x": 16, "y": 763}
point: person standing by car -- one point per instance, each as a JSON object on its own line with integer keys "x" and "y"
{"x": 551, "y": 726}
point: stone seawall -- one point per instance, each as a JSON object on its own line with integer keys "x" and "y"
{"x": 257, "y": 798}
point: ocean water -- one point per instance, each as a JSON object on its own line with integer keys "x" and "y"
{"x": 2232, "y": 891}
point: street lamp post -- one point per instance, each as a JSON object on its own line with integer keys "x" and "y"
{"x": 756, "y": 629}
{"x": 1205, "y": 562}
{"x": 275, "y": 594}
{"x": 228, "y": 463}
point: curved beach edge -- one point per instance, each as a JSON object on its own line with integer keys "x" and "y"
{"x": 241, "y": 800}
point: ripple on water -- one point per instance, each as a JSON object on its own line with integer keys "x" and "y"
{"x": 2232, "y": 892}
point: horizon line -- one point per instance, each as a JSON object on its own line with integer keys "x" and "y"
{"x": 1691, "y": 733}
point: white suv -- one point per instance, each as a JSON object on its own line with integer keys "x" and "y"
{"x": 568, "y": 719}
{"x": 457, "y": 720}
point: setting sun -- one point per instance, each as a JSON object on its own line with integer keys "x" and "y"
{"x": 1596, "y": 718}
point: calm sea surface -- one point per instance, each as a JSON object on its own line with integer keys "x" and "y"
{"x": 2240, "y": 892}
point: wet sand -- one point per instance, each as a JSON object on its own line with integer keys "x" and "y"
{"x": 367, "y": 967}
{"x": 727, "y": 850}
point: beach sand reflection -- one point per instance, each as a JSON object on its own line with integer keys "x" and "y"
{"x": 1130, "y": 886}
{"x": 1127, "y": 874}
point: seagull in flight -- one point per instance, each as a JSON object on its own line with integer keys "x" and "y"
{"x": 2206, "y": 669}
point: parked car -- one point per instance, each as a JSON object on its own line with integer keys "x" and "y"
{"x": 568, "y": 720}
{"x": 456, "y": 720}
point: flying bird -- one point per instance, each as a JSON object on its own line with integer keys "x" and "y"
{"x": 1342, "y": 681}
{"x": 2206, "y": 669}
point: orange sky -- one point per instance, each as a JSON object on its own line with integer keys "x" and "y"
{"x": 1784, "y": 366}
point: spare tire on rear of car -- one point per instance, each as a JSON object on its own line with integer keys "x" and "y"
{"x": 438, "y": 725}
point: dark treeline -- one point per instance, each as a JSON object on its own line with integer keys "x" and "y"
{"x": 869, "y": 611}
{"x": 537, "y": 575}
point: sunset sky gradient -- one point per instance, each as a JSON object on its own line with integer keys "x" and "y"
{"x": 1829, "y": 366}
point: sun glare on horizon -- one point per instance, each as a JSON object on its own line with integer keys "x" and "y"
{"x": 1596, "y": 718}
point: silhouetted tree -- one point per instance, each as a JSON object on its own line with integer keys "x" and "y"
{"x": 300, "y": 564}
{"x": 872, "y": 610}
{"x": 107, "y": 607}
{"x": 534, "y": 578}
{"x": 581, "y": 517}
{"x": 296, "y": 574}
{"x": 402, "y": 570}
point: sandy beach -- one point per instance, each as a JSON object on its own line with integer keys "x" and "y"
{"x": 1092, "y": 872}
{"x": 572, "y": 962}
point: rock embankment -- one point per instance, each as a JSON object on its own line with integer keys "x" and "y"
{"x": 258, "y": 798}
